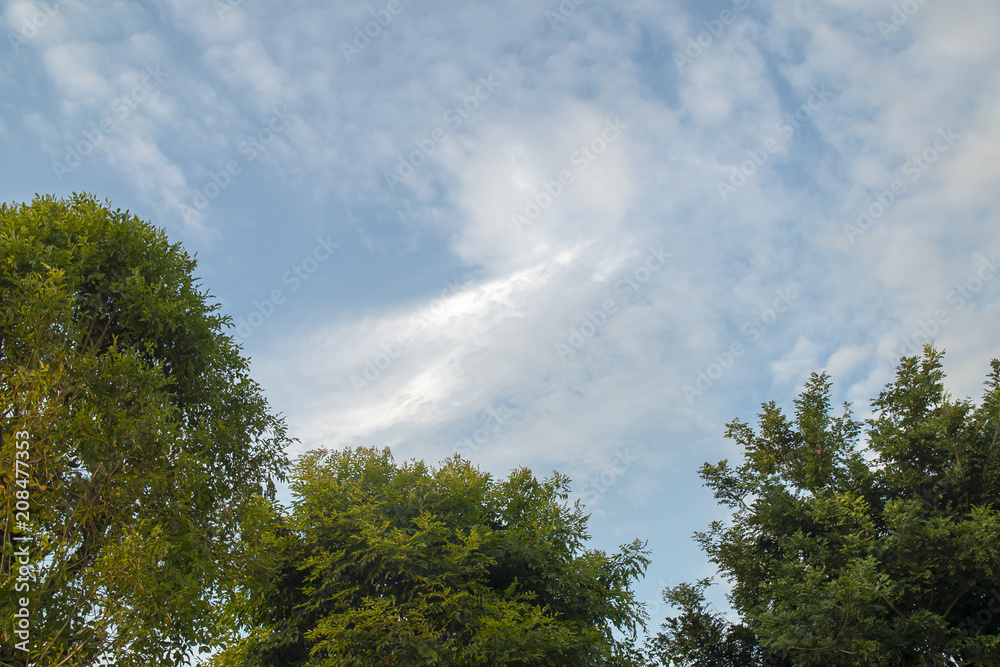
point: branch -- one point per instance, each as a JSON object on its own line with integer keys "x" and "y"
{"x": 893, "y": 607}
{"x": 958, "y": 597}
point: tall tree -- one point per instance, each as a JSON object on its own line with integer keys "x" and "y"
{"x": 144, "y": 441}
{"x": 874, "y": 551}
{"x": 702, "y": 637}
{"x": 384, "y": 564}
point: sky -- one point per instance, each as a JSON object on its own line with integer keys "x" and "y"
{"x": 577, "y": 236}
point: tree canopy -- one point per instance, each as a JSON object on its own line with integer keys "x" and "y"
{"x": 874, "y": 543}
{"x": 379, "y": 563}
{"x": 147, "y": 441}
{"x": 139, "y": 463}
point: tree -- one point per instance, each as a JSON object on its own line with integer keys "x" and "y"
{"x": 700, "y": 637}
{"x": 385, "y": 564}
{"x": 881, "y": 551}
{"x": 145, "y": 443}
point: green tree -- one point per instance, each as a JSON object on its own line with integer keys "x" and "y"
{"x": 701, "y": 637}
{"x": 881, "y": 550}
{"x": 385, "y": 564}
{"x": 147, "y": 443}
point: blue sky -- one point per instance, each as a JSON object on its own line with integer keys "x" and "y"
{"x": 578, "y": 236}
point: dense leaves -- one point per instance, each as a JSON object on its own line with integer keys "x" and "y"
{"x": 147, "y": 440}
{"x": 148, "y": 460}
{"x": 882, "y": 551}
{"x": 701, "y": 637}
{"x": 386, "y": 564}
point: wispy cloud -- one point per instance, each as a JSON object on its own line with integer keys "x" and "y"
{"x": 493, "y": 172}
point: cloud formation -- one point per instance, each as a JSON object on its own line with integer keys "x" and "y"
{"x": 551, "y": 218}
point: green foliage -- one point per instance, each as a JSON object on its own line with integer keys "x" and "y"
{"x": 876, "y": 553}
{"x": 702, "y": 638}
{"x": 385, "y": 564}
{"x": 148, "y": 441}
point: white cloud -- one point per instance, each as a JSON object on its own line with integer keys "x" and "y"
{"x": 796, "y": 365}
{"x": 493, "y": 343}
